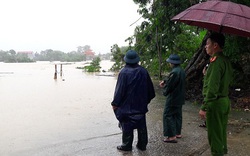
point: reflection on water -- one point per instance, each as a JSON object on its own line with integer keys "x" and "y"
{"x": 38, "y": 111}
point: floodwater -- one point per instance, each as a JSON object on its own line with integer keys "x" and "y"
{"x": 37, "y": 111}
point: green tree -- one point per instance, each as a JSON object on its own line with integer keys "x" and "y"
{"x": 74, "y": 57}
{"x": 12, "y": 52}
{"x": 118, "y": 54}
{"x": 20, "y": 57}
{"x": 94, "y": 65}
{"x": 154, "y": 38}
{"x": 3, "y": 56}
{"x": 11, "y": 56}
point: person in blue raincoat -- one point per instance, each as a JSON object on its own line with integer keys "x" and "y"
{"x": 134, "y": 91}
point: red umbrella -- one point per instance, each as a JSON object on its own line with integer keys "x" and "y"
{"x": 220, "y": 16}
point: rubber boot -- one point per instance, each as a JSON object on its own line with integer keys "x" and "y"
{"x": 142, "y": 139}
{"x": 127, "y": 140}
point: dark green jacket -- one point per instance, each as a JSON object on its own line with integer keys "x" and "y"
{"x": 174, "y": 88}
{"x": 217, "y": 79}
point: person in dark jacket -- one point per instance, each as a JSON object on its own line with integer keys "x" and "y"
{"x": 134, "y": 91}
{"x": 174, "y": 89}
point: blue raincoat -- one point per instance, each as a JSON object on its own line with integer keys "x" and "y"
{"x": 134, "y": 91}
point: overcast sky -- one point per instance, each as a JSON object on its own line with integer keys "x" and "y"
{"x": 36, "y": 25}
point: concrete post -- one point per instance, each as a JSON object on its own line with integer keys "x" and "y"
{"x": 55, "y": 75}
{"x": 61, "y": 71}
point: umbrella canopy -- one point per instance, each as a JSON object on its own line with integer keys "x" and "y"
{"x": 220, "y": 16}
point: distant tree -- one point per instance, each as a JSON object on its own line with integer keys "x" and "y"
{"x": 3, "y": 56}
{"x": 86, "y": 47}
{"x": 74, "y": 57}
{"x": 12, "y": 52}
{"x": 80, "y": 49}
{"x": 21, "y": 57}
{"x": 11, "y": 56}
{"x": 50, "y": 55}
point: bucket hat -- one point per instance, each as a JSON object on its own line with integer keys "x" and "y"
{"x": 131, "y": 57}
{"x": 174, "y": 59}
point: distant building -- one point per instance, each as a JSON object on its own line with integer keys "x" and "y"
{"x": 89, "y": 54}
{"x": 30, "y": 54}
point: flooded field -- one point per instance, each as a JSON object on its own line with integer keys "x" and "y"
{"x": 37, "y": 111}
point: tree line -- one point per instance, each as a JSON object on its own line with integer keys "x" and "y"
{"x": 12, "y": 56}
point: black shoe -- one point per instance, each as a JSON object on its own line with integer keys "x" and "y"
{"x": 123, "y": 148}
{"x": 141, "y": 148}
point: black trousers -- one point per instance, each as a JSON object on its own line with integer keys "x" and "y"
{"x": 128, "y": 125}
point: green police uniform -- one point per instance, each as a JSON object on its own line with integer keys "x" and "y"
{"x": 174, "y": 90}
{"x": 216, "y": 102}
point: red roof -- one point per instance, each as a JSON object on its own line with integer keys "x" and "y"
{"x": 89, "y": 52}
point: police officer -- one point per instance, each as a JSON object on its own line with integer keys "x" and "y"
{"x": 216, "y": 104}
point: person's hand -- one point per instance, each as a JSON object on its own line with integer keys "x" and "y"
{"x": 204, "y": 71}
{"x": 114, "y": 107}
{"x": 161, "y": 84}
{"x": 202, "y": 114}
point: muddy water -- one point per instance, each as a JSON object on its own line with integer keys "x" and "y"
{"x": 37, "y": 111}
